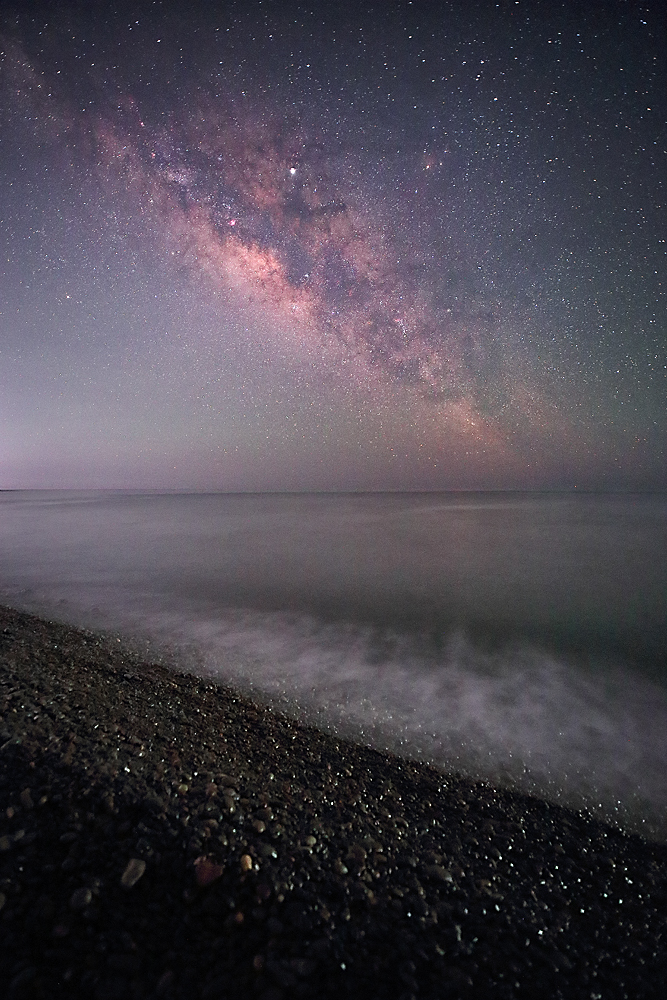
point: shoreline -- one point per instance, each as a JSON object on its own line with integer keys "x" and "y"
{"x": 161, "y": 836}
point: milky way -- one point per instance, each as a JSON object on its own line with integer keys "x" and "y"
{"x": 432, "y": 222}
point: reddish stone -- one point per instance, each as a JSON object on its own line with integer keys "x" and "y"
{"x": 207, "y": 871}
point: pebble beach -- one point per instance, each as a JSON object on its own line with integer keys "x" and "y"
{"x": 162, "y": 836}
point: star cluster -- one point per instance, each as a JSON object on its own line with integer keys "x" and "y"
{"x": 279, "y": 248}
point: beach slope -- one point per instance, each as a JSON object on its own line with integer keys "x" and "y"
{"x": 161, "y": 836}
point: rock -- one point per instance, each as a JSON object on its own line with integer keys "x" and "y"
{"x": 357, "y": 855}
{"x": 109, "y": 803}
{"x": 246, "y": 863}
{"x": 134, "y": 869}
{"x": 439, "y": 873}
{"x": 81, "y": 898}
{"x": 207, "y": 871}
{"x": 25, "y": 799}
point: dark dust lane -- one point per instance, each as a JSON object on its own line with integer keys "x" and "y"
{"x": 164, "y": 837}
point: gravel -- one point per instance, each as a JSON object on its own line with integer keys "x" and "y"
{"x": 161, "y": 836}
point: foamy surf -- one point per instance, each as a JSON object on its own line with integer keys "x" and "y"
{"x": 179, "y": 576}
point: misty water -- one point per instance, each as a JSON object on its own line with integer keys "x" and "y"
{"x": 521, "y": 637}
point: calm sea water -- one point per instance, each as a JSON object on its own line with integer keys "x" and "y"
{"x": 520, "y": 637}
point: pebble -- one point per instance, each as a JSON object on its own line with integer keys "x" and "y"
{"x": 302, "y": 925}
{"x": 440, "y": 873}
{"x": 357, "y": 854}
{"x": 207, "y": 871}
{"x": 134, "y": 869}
{"x": 25, "y": 799}
{"x": 81, "y": 898}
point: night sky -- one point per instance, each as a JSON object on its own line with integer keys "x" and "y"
{"x": 273, "y": 246}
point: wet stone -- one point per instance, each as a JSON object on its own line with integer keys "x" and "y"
{"x": 25, "y": 799}
{"x": 207, "y": 871}
{"x": 134, "y": 869}
{"x": 357, "y": 855}
{"x": 81, "y": 898}
{"x": 439, "y": 873}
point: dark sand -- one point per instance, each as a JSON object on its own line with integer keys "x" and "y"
{"x": 164, "y": 837}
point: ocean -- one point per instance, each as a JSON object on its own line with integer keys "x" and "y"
{"x": 516, "y": 637}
